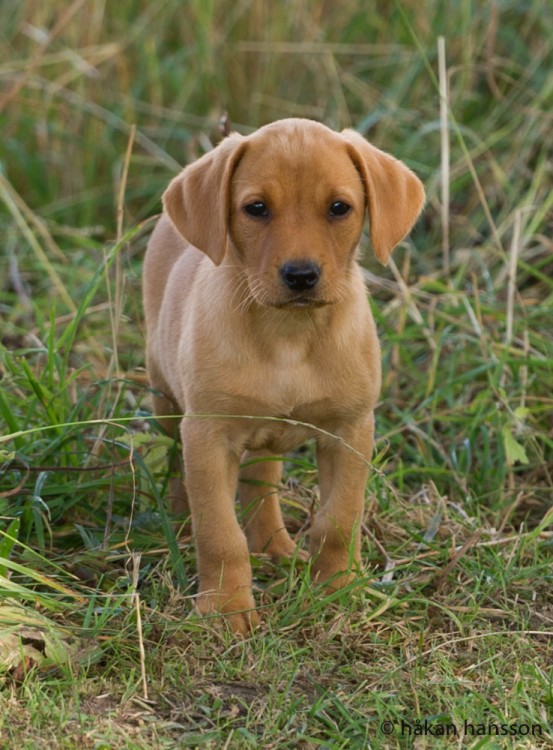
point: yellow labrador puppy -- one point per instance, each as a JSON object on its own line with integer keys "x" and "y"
{"x": 257, "y": 315}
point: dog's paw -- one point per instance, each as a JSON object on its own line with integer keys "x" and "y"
{"x": 242, "y": 623}
{"x": 335, "y": 554}
{"x": 277, "y": 547}
{"x": 332, "y": 562}
{"x": 285, "y": 548}
{"x": 234, "y": 610}
{"x": 334, "y": 577}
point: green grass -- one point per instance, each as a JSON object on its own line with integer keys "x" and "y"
{"x": 453, "y": 621}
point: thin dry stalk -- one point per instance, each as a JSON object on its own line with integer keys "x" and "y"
{"x": 490, "y": 45}
{"x": 136, "y": 599}
{"x": 116, "y": 310}
{"x": 511, "y": 289}
{"x": 444, "y": 133}
{"x": 123, "y": 184}
{"x": 470, "y": 542}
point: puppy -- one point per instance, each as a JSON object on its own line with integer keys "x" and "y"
{"x": 259, "y": 332}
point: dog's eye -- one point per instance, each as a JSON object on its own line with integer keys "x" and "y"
{"x": 339, "y": 208}
{"x": 257, "y": 209}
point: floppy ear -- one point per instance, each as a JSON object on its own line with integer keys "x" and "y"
{"x": 198, "y": 199}
{"x": 395, "y": 195}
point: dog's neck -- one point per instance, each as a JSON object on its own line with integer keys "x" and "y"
{"x": 290, "y": 323}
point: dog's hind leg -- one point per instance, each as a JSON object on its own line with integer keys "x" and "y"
{"x": 259, "y": 488}
{"x": 167, "y": 415}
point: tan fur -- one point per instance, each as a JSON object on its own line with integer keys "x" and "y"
{"x": 228, "y": 337}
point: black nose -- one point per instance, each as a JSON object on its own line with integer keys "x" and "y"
{"x": 300, "y": 275}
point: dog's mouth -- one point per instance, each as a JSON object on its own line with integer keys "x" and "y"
{"x": 288, "y": 300}
{"x": 294, "y": 302}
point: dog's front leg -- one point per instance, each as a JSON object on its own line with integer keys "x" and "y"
{"x": 335, "y": 537}
{"x": 211, "y": 477}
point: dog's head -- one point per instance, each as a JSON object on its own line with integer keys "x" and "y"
{"x": 288, "y": 204}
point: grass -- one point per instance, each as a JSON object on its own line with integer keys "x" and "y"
{"x": 453, "y": 619}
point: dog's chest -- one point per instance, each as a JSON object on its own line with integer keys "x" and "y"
{"x": 318, "y": 380}
{"x": 289, "y": 378}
